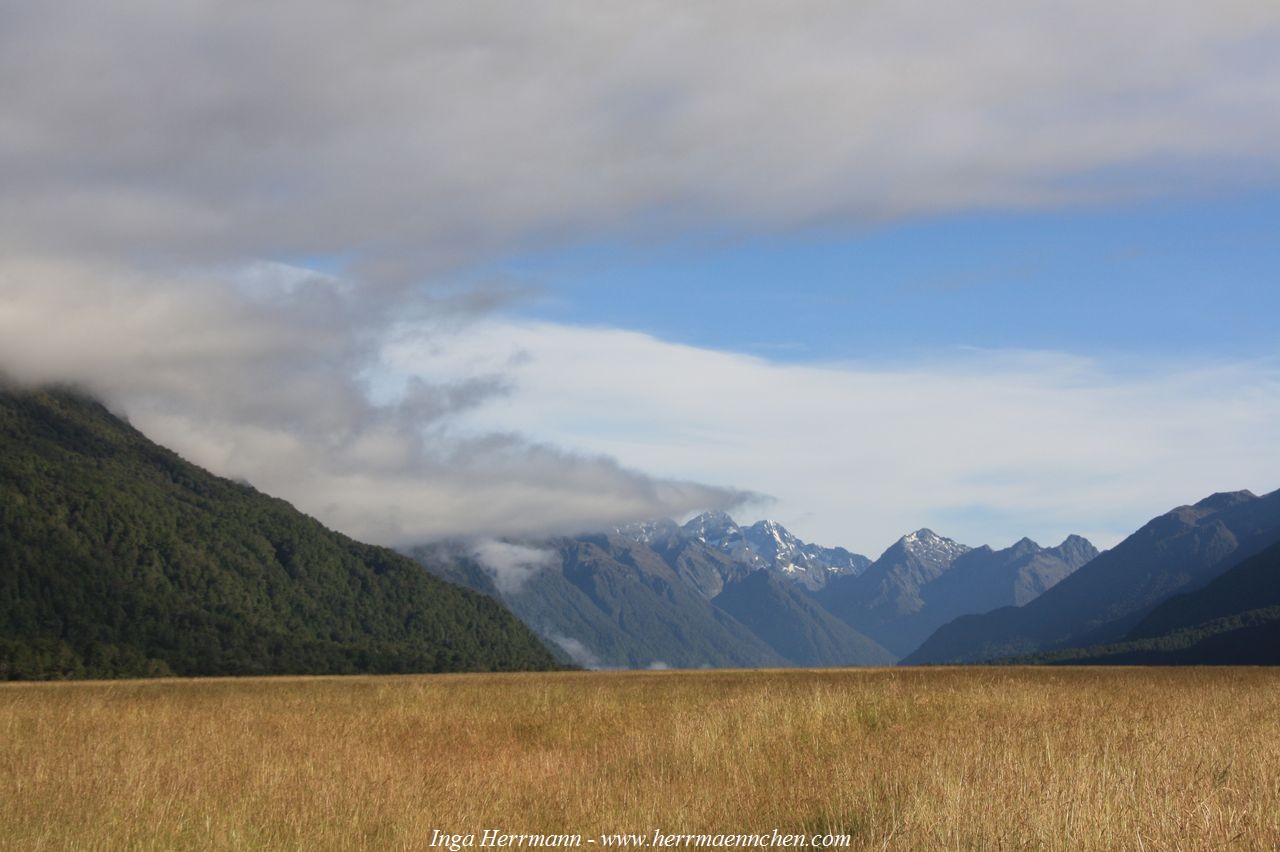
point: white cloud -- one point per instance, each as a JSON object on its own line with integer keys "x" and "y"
{"x": 273, "y": 389}
{"x": 145, "y": 143}
{"x": 986, "y": 446}
{"x": 577, "y": 650}
{"x": 416, "y": 135}
{"x": 511, "y": 565}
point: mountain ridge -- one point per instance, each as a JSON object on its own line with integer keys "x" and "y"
{"x": 1178, "y": 551}
{"x": 765, "y": 544}
{"x": 1232, "y": 620}
{"x": 725, "y": 564}
{"x": 924, "y": 580}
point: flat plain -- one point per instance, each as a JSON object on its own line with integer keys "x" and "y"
{"x": 983, "y": 758}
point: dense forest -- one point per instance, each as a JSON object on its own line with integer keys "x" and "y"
{"x": 120, "y": 559}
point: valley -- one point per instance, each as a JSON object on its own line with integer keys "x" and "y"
{"x": 1044, "y": 758}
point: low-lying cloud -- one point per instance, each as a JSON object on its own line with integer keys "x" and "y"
{"x": 511, "y": 565}
{"x": 577, "y": 651}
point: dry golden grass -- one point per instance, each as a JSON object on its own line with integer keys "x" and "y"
{"x": 900, "y": 759}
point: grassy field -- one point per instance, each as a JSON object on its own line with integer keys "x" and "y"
{"x": 899, "y": 759}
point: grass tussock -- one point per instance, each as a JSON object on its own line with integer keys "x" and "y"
{"x": 910, "y": 759}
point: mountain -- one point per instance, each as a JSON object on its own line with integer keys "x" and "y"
{"x": 877, "y": 601}
{"x": 118, "y": 558}
{"x": 711, "y": 592}
{"x": 708, "y": 593}
{"x": 808, "y": 564}
{"x": 609, "y": 601}
{"x": 1234, "y": 620}
{"x": 705, "y": 568}
{"x": 763, "y": 545}
{"x": 984, "y": 579}
{"x": 925, "y": 580}
{"x": 1179, "y": 551}
{"x": 795, "y": 625}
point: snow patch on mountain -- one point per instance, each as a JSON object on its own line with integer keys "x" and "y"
{"x": 764, "y": 545}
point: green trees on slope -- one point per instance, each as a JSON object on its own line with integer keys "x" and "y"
{"x": 118, "y": 558}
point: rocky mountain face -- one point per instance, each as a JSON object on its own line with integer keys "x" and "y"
{"x": 704, "y": 567}
{"x": 1178, "y": 552}
{"x": 763, "y": 545}
{"x": 662, "y": 595}
{"x": 925, "y": 580}
{"x": 712, "y": 592}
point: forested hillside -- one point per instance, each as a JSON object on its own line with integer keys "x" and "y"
{"x": 118, "y": 558}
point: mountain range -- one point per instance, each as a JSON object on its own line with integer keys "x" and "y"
{"x": 120, "y": 559}
{"x": 713, "y": 593}
{"x": 608, "y": 601}
{"x": 1178, "y": 552}
{"x": 764, "y": 544}
{"x": 924, "y": 581}
{"x": 1234, "y": 620}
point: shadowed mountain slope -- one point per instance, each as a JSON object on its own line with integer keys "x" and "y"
{"x": 1234, "y": 620}
{"x": 796, "y": 626}
{"x": 610, "y": 601}
{"x": 925, "y": 580}
{"x": 1179, "y": 551}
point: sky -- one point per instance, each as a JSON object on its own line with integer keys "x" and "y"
{"x": 1156, "y": 277}
{"x": 507, "y": 270}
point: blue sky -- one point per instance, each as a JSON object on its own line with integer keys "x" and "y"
{"x": 1190, "y": 276}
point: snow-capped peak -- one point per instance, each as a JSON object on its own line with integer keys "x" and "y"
{"x": 763, "y": 545}
{"x": 648, "y": 532}
{"x": 928, "y": 546}
{"x": 712, "y": 528}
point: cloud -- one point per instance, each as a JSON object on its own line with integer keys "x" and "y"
{"x": 578, "y": 652}
{"x": 272, "y": 384}
{"x": 215, "y": 215}
{"x": 411, "y": 138}
{"x": 988, "y": 446}
{"x": 511, "y": 565}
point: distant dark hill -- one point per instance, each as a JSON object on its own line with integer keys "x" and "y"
{"x": 1177, "y": 552}
{"x": 610, "y": 601}
{"x": 118, "y": 558}
{"x": 925, "y": 580}
{"x": 1234, "y": 620}
{"x": 795, "y": 625}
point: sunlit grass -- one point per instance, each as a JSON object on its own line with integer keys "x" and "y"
{"x": 955, "y": 758}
